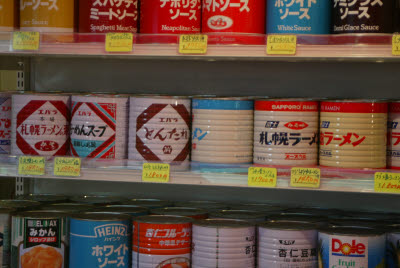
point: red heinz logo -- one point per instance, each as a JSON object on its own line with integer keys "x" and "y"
{"x": 296, "y": 125}
{"x": 345, "y": 249}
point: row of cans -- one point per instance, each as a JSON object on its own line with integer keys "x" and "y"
{"x": 194, "y": 16}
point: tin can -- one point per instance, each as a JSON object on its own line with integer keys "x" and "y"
{"x": 100, "y": 238}
{"x": 39, "y": 239}
{"x": 104, "y": 16}
{"x": 97, "y": 199}
{"x": 393, "y": 249}
{"x": 353, "y": 133}
{"x": 47, "y": 16}
{"x": 161, "y": 241}
{"x": 18, "y": 204}
{"x": 161, "y": 17}
{"x": 99, "y": 126}
{"x": 5, "y": 232}
{"x": 40, "y": 124}
{"x": 5, "y": 119}
{"x": 359, "y": 247}
{"x": 45, "y": 198}
{"x": 8, "y": 15}
{"x": 393, "y": 151}
{"x": 149, "y": 203}
{"x": 363, "y": 17}
{"x": 194, "y": 213}
{"x": 206, "y": 205}
{"x": 134, "y": 211}
{"x": 286, "y": 132}
{"x": 246, "y": 215}
{"x": 222, "y": 130}
{"x": 159, "y": 130}
{"x": 68, "y": 207}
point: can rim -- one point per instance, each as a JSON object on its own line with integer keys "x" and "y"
{"x": 42, "y": 214}
{"x": 351, "y": 230}
{"x": 235, "y": 98}
{"x": 163, "y": 219}
{"x": 288, "y": 225}
{"x": 100, "y": 216}
{"x": 159, "y": 96}
{"x": 316, "y": 100}
{"x": 356, "y": 101}
{"x": 223, "y": 223}
{"x": 118, "y": 209}
{"x": 185, "y": 211}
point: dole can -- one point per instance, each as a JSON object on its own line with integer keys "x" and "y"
{"x": 5, "y": 234}
{"x": 392, "y": 249}
{"x": 393, "y": 151}
{"x": 194, "y": 213}
{"x": 5, "y": 122}
{"x": 8, "y": 15}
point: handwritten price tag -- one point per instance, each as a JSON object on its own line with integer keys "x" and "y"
{"x": 396, "y": 45}
{"x": 31, "y": 165}
{"x": 305, "y": 177}
{"x": 26, "y": 40}
{"x": 262, "y": 177}
{"x": 119, "y": 42}
{"x": 387, "y": 182}
{"x": 281, "y": 45}
{"x": 193, "y": 44}
{"x": 154, "y": 172}
{"x": 67, "y": 166}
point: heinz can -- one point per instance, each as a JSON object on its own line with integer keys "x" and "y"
{"x": 194, "y": 213}
{"x": 5, "y": 121}
{"x": 393, "y": 151}
{"x": 8, "y": 18}
{"x": 98, "y": 239}
{"x": 161, "y": 241}
{"x": 5, "y": 233}
{"x": 286, "y": 132}
{"x": 353, "y": 134}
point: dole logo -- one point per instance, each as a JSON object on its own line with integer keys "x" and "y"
{"x": 219, "y": 22}
{"x": 345, "y": 249}
{"x": 296, "y": 125}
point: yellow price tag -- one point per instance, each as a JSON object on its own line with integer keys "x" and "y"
{"x": 26, "y": 40}
{"x": 396, "y": 45}
{"x": 67, "y": 166}
{"x": 155, "y": 172}
{"x": 193, "y": 44}
{"x": 31, "y": 165}
{"x": 281, "y": 44}
{"x": 305, "y": 177}
{"x": 262, "y": 177}
{"x": 119, "y": 42}
{"x": 387, "y": 182}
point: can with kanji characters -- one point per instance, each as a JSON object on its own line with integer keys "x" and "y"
{"x": 393, "y": 150}
{"x": 5, "y": 121}
{"x": 363, "y": 16}
{"x": 8, "y": 15}
{"x": 149, "y": 203}
{"x": 282, "y": 243}
{"x": 47, "y": 15}
{"x": 159, "y": 130}
{"x": 5, "y": 234}
{"x": 206, "y": 205}
{"x": 107, "y": 16}
{"x": 308, "y": 17}
{"x": 100, "y": 240}
{"x": 134, "y": 211}
{"x": 40, "y": 124}
{"x": 246, "y": 215}
{"x": 98, "y": 199}
{"x": 45, "y": 198}
{"x": 353, "y": 133}
{"x": 161, "y": 241}
{"x": 286, "y": 132}
{"x": 39, "y": 239}
{"x": 170, "y": 17}
{"x": 19, "y": 204}
{"x": 99, "y": 126}
{"x": 194, "y": 213}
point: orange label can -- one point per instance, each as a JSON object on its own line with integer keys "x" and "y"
{"x": 7, "y": 15}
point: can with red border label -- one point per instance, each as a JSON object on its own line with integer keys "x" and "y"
{"x": 393, "y": 151}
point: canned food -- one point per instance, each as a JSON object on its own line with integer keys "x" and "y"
{"x": 393, "y": 153}
{"x": 18, "y": 204}
{"x": 247, "y": 215}
{"x": 206, "y": 205}
{"x": 45, "y": 198}
{"x": 100, "y": 238}
{"x": 149, "y": 203}
{"x": 8, "y": 16}
{"x": 194, "y": 213}
{"x": 5, "y": 232}
{"x": 5, "y": 114}
{"x": 98, "y": 199}
{"x": 131, "y": 210}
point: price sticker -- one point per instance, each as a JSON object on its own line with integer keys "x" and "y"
{"x": 67, "y": 166}
{"x": 396, "y": 45}
{"x": 155, "y": 172}
{"x": 262, "y": 177}
{"x": 26, "y": 40}
{"x": 31, "y": 165}
{"x": 305, "y": 177}
{"x": 387, "y": 182}
{"x": 193, "y": 44}
{"x": 119, "y": 42}
{"x": 281, "y": 45}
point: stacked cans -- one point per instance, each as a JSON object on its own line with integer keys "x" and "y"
{"x": 282, "y": 244}
{"x": 40, "y": 124}
{"x": 159, "y": 130}
{"x": 99, "y": 126}
{"x": 353, "y": 134}
{"x": 8, "y": 16}
{"x": 286, "y": 132}
{"x": 161, "y": 241}
{"x": 5, "y": 123}
{"x": 393, "y": 153}
{"x": 223, "y": 244}
{"x": 222, "y": 130}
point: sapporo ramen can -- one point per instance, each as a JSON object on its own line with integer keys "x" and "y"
{"x": 5, "y": 232}
{"x": 40, "y": 124}
{"x": 38, "y": 239}
{"x": 99, "y": 126}
{"x": 8, "y": 18}
{"x": 353, "y": 133}
{"x": 161, "y": 241}
{"x": 5, "y": 122}
{"x": 286, "y": 132}
{"x": 393, "y": 151}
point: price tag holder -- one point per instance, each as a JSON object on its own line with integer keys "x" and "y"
{"x": 193, "y": 44}
{"x": 396, "y": 45}
{"x": 305, "y": 177}
{"x": 119, "y": 42}
{"x": 67, "y": 166}
{"x": 26, "y": 41}
{"x": 281, "y": 45}
{"x": 31, "y": 165}
{"x": 155, "y": 172}
{"x": 387, "y": 182}
{"x": 262, "y": 177}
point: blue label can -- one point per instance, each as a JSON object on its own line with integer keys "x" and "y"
{"x": 299, "y": 17}
{"x": 100, "y": 240}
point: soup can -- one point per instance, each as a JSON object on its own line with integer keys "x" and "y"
{"x": 19, "y": 204}
{"x": 286, "y": 132}
{"x": 8, "y": 15}
{"x": 393, "y": 151}
{"x": 98, "y": 199}
{"x": 353, "y": 134}
{"x": 5, "y": 120}
{"x": 246, "y": 215}
{"x": 5, "y": 233}
{"x": 149, "y": 203}
{"x": 194, "y": 213}
{"x": 47, "y": 16}
{"x": 134, "y": 211}
{"x": 45, "y": 198}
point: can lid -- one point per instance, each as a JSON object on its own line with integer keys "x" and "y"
{"x": 101, "y": 216}
{"x": 180, "y": 211}
{"x": 71, "y": 207}
{"x": 163, "y": 219}
{"x": 288, "y": 225}
{"x": 259, "y": 207}
{"x": 121, "y": 209}
{"x": 351, "y": 230}
{"x": 235, "y": 98}
{"x": 151, "y": 203}
{"x": 356, "y": 100}
{"x": 202, "y": 204}
{"x": 297, "y": 218}
{"x": 45, "y": 198}
{"x": 238, "y": 214}
{"x": 158, "y": 96}
{"x": 288, "y": 99}
{"x": 223, "y": 223}
{"x": 42, "y": 214}
{"x": 97, "y": 199}
{"x": 16, "y": 203}
{"x": 312, "y": 211}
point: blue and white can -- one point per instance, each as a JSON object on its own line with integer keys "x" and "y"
{"x": 100, "y": 240}
{"x": 299, "y": 17}
{"x": 393, "y": 249}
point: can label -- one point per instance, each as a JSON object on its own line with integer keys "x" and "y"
{"x": 99, "y": 244}
{"x": 393, "y": 152}
{"x": 5, "y": 125}
{"x": 4, "y": 240}
{"x": 393, "y": 247}
{"x": 353, "y": 107}
{"x": 7, "y": 15}
{"x": 140, "y": 260}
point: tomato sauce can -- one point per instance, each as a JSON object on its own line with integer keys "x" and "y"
{"x": 161, "y": 241}
{"x": 393, "y": 151}
{"x": 149, "y": 203}
{"x": 5, "y": 234}
{"x": 194, "y": 213}
{"x": 5, "y": 121}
